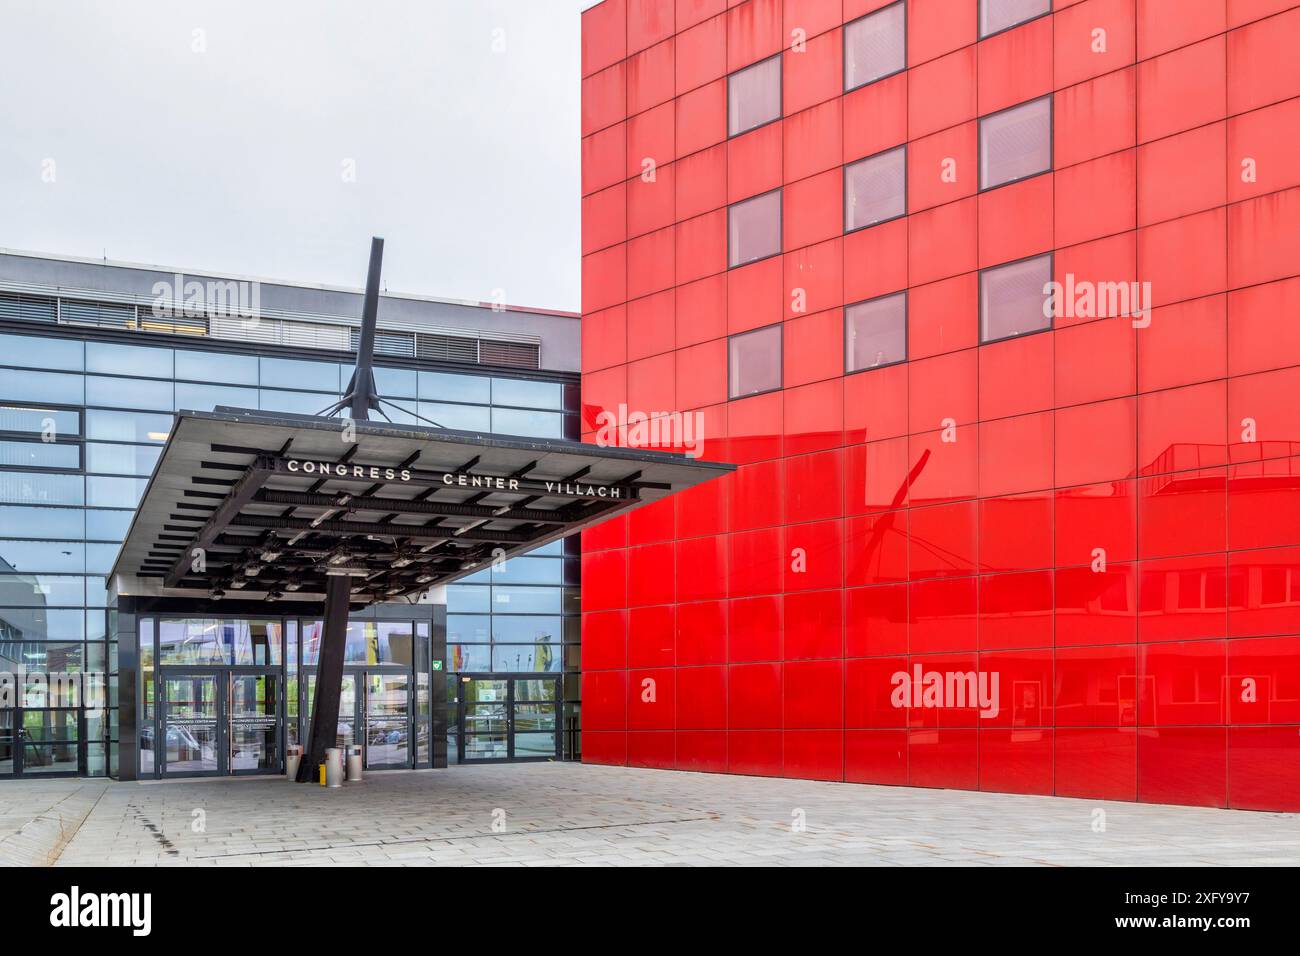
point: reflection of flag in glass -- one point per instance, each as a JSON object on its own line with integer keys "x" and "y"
{"x": 457, "y": 657}
{"x": 372, "y": 643}
{"x": 542, "y": 659}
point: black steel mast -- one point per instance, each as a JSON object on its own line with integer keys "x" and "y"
{"x": 359, "y": 398}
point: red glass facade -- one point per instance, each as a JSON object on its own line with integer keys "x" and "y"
{"x": 1100, "y": 521}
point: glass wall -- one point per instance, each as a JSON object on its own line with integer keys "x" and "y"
{"x": 81, "y": 425}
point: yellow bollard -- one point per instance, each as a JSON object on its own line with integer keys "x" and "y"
{"x": 322, "y": 775}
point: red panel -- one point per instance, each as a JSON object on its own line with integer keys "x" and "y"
{"x": 1164, "y": 25}
{"x": 875, "y": 261}
{"x": 1185, "y": 765}
{"x": 701, "y": 117}
{"x": 814, "y": 349}
{"x": 1185, "y": 343}
{"x": 936, "y": 27}
{"x": 1096, "y": 607}
{"x": 753, "y": 32}
{"x": 875, "y": 404}
{"x": 650, "y": 575}
{"x": 1015, "y": 377}
{"x": 812, "y": 139}
{"x": 1100, "y": 764}
{"x": 942, "y": 167}
{"x": 754, "y": 295}
{"x": 702, "y": 633}
{"x": 1015, "y": 221}
{"x": 1015, "y": 761}
{"x": 1095, "y": 199}
{"x": 814, "y": 556}
{"x": 702, "y": 751}
{"x": 812, "y": 209}
{"x": 875, "y": 756}
{"x": 876, "y": 549}
{"x": 655, "y": 750}
{"x": 755, "y": 753}
{"x": 814, "y": 754}
{"x": 604, "y": 640}
{"x": 1095, "y": 118}
{"x": 943, "y": 316}
{"x": 1078, "y": 55}
{"x": 1262, "y": 239}
{"x": 875, "y": 621}
{"x": 754, "y": 162}
{"x": 814, "y": 624}
{"x": 1265, "y": 599}
{"x": 1097, "y": 360}
{"x": 1015, "y": 532}
{"x": 701, "y": 698}
{"x": 756, "y": 558}
{"x": 941, "y": 93}
{"x": 755, "y": 629}
{"x": 1182, "y": 684}
{"x": 701, "y": 310}
{"x": 650, "y": 78}
{"x": 814, "y": 76}
{"x": 813, "y": 695}
{"x": 1170, "y": 186}
{"x": 604, "y": 99}
{"x": 943, "y": 758}
{"x": 1016, "y": 65}
{"x": 1181, "y": 89}
{"x": 1096, "y": 686}
{"x": 942, "y": 615}
{"x": 604, "y": 748}
{"x": 814, "y": 418}
{"x": 651, "y": 699}
{"x": 1262, "y": 66}
{"x": 1015, "y": 610}
{"x": 650, "y": 636}
{"x": 755, "y": 699}
{"x": 875, "y": 117}
{"x": 650, "y": 324}
{"x": 651, "y": 138}
{"x": 701, "y": 569}
{"x": 604, "y": 700}
{"x": 1091, "y": 517}
{"x": 1182, "y": 598}
{"x": 701, "y": 182}
{"x": 813, "y": 486}
{"x": 1264, "y": 768}
{"x": 942, "y": 242}
{"x": 604, "y": 35}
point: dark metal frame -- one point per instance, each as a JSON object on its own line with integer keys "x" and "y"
{"x": 845, "y": 189}
{"x": 907, "y": 306}
{"x": 1002, "y": 30}
{"x": 1050, "y": 255}
{"x": 780, "y": 339}
{"x": 1051, "y": 143}
{"x": 510, "y": 678}
{"x": 780, "y": 94}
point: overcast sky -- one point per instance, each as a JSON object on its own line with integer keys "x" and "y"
{"x": 274, "y": 138}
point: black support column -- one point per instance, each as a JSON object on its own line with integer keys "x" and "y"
{"x": 329, "y": 678}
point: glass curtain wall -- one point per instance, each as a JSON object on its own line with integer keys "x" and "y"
{"x": 81, "y": 425}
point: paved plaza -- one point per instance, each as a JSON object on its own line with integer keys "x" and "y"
{"x": 549, "y": 814}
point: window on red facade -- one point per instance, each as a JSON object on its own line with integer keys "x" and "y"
{"x": 875, "y": 333}
{"x": 875, "y": 189}
{"x": 754, "y": 229}
{"x": 1014, "y": 298}
{"x": 1016, "y": 143}
{"x": 999, "y": 15}
{"x": 754, "y": 96}
{"x": 875, "y": 46}
{"x": 754, "y": 362}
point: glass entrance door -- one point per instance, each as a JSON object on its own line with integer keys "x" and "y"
{"x": 509, "y": 718}
{"x": 192, "y": 724}
{"x": 387, "y": 720}
{"x": 253, "y": 706}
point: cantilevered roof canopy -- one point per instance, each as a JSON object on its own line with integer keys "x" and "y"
{"x": 256, "y": 505}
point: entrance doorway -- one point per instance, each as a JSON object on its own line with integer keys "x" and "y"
{"x": 39, "y": 741}
{"x": 222, "y": 722}
{"x": 375, "y": 710}
{"x": 508, "y": 718}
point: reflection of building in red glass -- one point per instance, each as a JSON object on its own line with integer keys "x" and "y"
{"x": 833, "y": 228}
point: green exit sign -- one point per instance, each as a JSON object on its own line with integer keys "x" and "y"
{"x": 437, "y": 665}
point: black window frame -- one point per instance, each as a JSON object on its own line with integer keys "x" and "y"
{"x": 1051, "y": 142}
{"x": 780, "y": 354}
{"x": 780, "y": 94}
{"x": 844, "y": 189}
{"x": 844, "y": 49}
{"x": 780, "y": 227}
{"x": 1050, "y": 256}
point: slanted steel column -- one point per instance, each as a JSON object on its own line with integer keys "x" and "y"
{"x": 358, "y": 401}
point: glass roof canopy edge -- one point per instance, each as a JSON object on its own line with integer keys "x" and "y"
{"x": 271, "y": 505}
